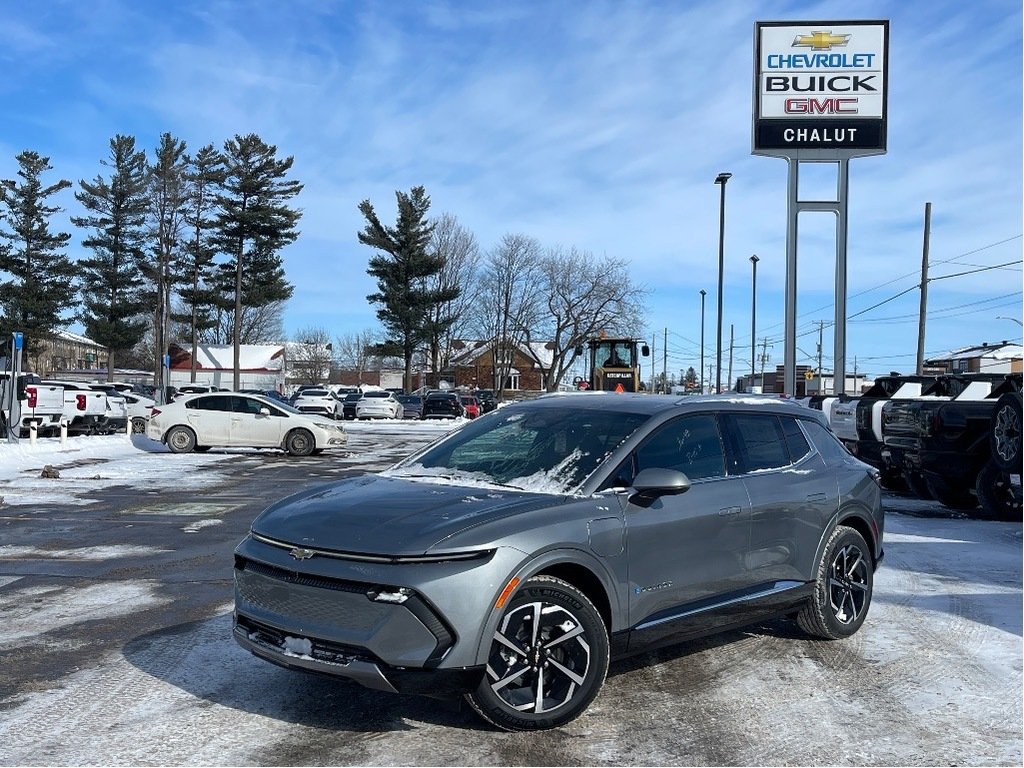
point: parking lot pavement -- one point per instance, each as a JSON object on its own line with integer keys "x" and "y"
{"x": 115, "y": 646}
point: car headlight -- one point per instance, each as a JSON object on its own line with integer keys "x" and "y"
{"x": 323, "y": 426}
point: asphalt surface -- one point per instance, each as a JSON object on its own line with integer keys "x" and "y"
{"x": 128, "y": 659}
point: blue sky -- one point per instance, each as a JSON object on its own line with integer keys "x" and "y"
{"x": 599, "y": 125}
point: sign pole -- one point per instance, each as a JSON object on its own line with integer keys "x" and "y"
{"x": 839, "y": 340}
{"x": 792, "y": 212}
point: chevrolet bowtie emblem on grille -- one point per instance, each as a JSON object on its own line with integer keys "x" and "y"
{"x": 301, "y": 554}
{"x": 820, "y": 41}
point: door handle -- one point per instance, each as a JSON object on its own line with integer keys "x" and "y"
{"x": 726, "y": 511}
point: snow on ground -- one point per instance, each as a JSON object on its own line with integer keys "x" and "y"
{"x": 89, "y": 463}
{"x": 934, "y": 677}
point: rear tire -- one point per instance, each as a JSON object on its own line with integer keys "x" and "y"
{"x": 181, "y": 440}
{"x": 548, "y": 659}
{"x": 842, "y": 587}
{"x": 999, "y": 499}
{"x": 138, "y": 425}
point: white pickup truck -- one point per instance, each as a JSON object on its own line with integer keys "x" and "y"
{"x": 84, "y": 409}
{"x": 41, "y": 402}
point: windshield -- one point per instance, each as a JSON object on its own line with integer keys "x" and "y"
{"x": 544, "y": 450}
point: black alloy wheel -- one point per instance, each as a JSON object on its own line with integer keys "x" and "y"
{"x": 548, "y": 658}
{"x": 842, "y": 589}
{"x": 1006, "y": 433}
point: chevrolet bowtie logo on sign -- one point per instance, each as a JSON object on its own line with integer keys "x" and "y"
{"x": 820, "y": 41}
{"x": 301, "y": 554}
{"x": 820, "y": 88}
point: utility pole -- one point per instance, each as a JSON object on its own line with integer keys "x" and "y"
{"x": 821, "y": 327}
{"x": 653, "y": 358}
{"x": 729, "y": 380}
{"x": 924, "y": 288}
{"x": 764, "y": 359}
{"x": 664, "y": 363}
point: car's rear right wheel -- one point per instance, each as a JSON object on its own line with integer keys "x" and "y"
{"x": 181, "y": 440}
{"x": 548, "y": 658}
{"x": 842, "y": 587}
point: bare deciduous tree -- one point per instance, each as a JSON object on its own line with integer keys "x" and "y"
{"x": 580, "y": 297}
{"x": 457, "y": 246}
{"x": 508, "y": 303}
{"x": 311, "y": 354}
{"x": 259, "y": 325}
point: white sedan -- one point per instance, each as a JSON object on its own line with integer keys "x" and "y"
{"x": 379, "y": 404}
{"x": 231, "y": 419}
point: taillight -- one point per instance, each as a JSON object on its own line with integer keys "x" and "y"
{"x": 153, "y": 412}
{"x": 80, "y": 402}
{"x": 33, "y": 396}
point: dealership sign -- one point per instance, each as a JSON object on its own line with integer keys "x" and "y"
{"x": 820, "y": 88}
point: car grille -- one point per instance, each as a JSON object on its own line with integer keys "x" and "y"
{"x": 304, "y": 598}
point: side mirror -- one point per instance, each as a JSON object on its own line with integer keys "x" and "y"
{"x": 654, "y": 482}
{"x": 645, "y": 351}
{"x": 264, "y": 411}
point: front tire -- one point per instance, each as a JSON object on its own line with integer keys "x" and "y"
{"x": 998, "y": 497}
{"x": 181, "y": 440}
{"x": 842, "y": 587}
{"x": 299, "y": 442}
{"x": 951, "y": 495}
{"x": 548, "y": 659}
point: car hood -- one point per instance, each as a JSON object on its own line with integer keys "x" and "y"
{"x": 388, "y": 515}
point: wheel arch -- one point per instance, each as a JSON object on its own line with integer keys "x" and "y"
{"x": 576, "y": 567}
{"x": 860, "y": 521}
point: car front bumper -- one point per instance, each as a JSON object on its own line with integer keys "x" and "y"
{"x": 407, "y": 627}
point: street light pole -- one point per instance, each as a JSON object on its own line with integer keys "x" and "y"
{"x": 721, "y": 180}
{"x": 753, "y": 319}
{"x": 703, "y": 293}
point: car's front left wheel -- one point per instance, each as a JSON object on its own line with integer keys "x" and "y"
{"x": 548, "y": 658}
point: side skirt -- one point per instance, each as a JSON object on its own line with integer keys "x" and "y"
{"x": 708, "y": 617}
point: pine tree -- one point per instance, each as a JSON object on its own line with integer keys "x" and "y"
{"x": 402, "y": 271}
{"x": 113, "y": 294}
{"x": 40, "y": 287}
{"x": 168, "y": 190}
{"x": 196, "y": 268}
{"x": 254, "y": 223}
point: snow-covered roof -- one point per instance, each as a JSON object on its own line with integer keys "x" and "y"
{"x": 1003, "y": 350}
{"x": 537, "y": 351}
{"x": 76, "y": 338}
{"x": 252, "y": 357}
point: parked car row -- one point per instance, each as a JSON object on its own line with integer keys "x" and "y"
{"x": 955, "y": 438}
{"x": 95, "y": 409}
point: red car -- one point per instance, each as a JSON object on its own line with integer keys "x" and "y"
{"x": 471, "y": 406}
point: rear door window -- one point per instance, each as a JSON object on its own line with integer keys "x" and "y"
{"x": 795, "y": 440}
{"x": 758, "y": 441}
{"x": 211, "y": 403}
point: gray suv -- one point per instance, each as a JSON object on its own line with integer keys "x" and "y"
{"x": 510, "y": 560}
